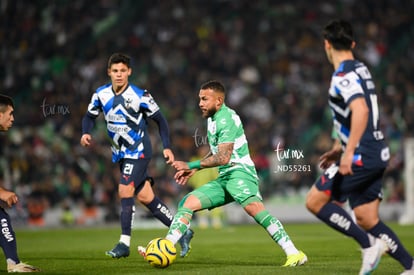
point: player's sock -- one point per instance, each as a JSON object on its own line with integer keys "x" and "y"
{"x": 275, "y": 229}
{"x": 160, "y": 211}
{"x": 180, "y": 224}
{"x": 126, "y": 239}
{"x": 337, "y": 218}
{"x": 396, "y": 249}
{"x": 8, "y": 238}
{"x": 127, "y": 214}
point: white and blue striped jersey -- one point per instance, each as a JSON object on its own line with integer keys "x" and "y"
{"x": 125, "y": 116}
{"x": 352, "y": 80}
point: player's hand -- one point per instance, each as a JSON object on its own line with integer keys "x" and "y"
{"x": 8, "y": 197}
{"x": 168, "y": 155}
{"x": 180, "y": 165}
{"x": 182, "y": 176}
{"x": 329, "y": 158}
{"x": 345, "y": 165}
{"x": 86, "y": 140}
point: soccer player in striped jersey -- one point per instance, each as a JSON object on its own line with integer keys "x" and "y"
{"x": 126, "y": 109}
{"x": 354, "y": 167}
{"x": 8, "y": 198}
{"x": 237, "y": 181}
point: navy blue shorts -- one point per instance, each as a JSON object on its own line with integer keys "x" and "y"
{"x": 134, "y": 172}
{"x": 364, "y": 186}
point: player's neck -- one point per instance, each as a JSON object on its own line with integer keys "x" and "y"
{"x": 119, "y": 89}
{"x": 340, "y": 56}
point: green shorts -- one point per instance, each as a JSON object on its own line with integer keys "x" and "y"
{"x": 233, "y": 186}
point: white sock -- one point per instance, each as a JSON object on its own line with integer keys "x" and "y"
{"x": 285, "y": 243}
{"x": 126, "y": 240}
{"x": 289, "y": 248}
{"x": 174, "y": 237}
{"x": 10, "y": 261}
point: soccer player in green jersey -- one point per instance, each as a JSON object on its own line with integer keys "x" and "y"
{"x": 237, "y": 180}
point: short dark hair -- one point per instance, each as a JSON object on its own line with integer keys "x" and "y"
{"x": 215, "y": 85}
{"x": 5, "y": 101}
{"x": 340, "y": 34}
{"x": 119, "y": 58}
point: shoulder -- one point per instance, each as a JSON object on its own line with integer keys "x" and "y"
{"x": 346, "y": 76}
{"x": 140, "y": 92}
{"x": 103, "y": 87}
{"x": 348, "y": 68}
{"x": 102, "y": 93}
{"x": 228, "y": 112}
{"x": 227, "y": 117}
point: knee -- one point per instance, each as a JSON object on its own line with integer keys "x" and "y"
{"x": 145, "y": 197}
{"x": 254, "y": 208}
{"x": 125, "y": 191}
{"x": 313, "y": 203}
{"x": 146, "y": 194}
{"x": 190, "y": 202}
{"x": 366, "y": 215}
{"x": 366, "y": 222}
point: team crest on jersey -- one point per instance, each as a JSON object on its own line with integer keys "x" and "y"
{"x": 128, "y": 102}
{"x": 344, "y": 82}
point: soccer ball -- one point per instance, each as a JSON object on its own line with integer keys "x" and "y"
{"x": 160, "y": 253}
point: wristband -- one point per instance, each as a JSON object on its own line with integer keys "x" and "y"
{"x": 194, "y": 164}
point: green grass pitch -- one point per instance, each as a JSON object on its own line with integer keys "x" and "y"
{"x": 245, "y": 249}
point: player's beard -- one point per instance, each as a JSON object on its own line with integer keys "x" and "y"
{"x": 209, "y": 112}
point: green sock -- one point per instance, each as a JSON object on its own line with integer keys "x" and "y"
{"x": 180, "y": 224}
{"x": 275, "y": 229}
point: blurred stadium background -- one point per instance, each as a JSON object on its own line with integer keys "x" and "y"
{"x": 268, "y": 53}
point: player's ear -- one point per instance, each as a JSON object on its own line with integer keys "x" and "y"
{"x": 108, "y": 71}
{"x": 326, "y": 44}
{"x": 219, "y": 100}
{"x": 129, "y": 71}
{"x": 353, "y": 44}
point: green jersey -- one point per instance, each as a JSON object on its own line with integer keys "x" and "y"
{"x": 226, "y": 127}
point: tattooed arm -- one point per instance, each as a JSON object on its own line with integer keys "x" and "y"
{"x": 222, "y": 157}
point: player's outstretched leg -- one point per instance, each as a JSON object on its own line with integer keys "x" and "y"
{"x": 185, "y": 243}
{"x": 275, "y": 229}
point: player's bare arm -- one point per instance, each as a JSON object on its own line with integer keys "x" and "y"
{"x": 207, "y": 155}
{"x": 184, "y": 171}
{"x": 222, "y": 157}
{"x": 332, "y": 156}
{"x": 359, "y": 120}
{"x": 210, "y": 160}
